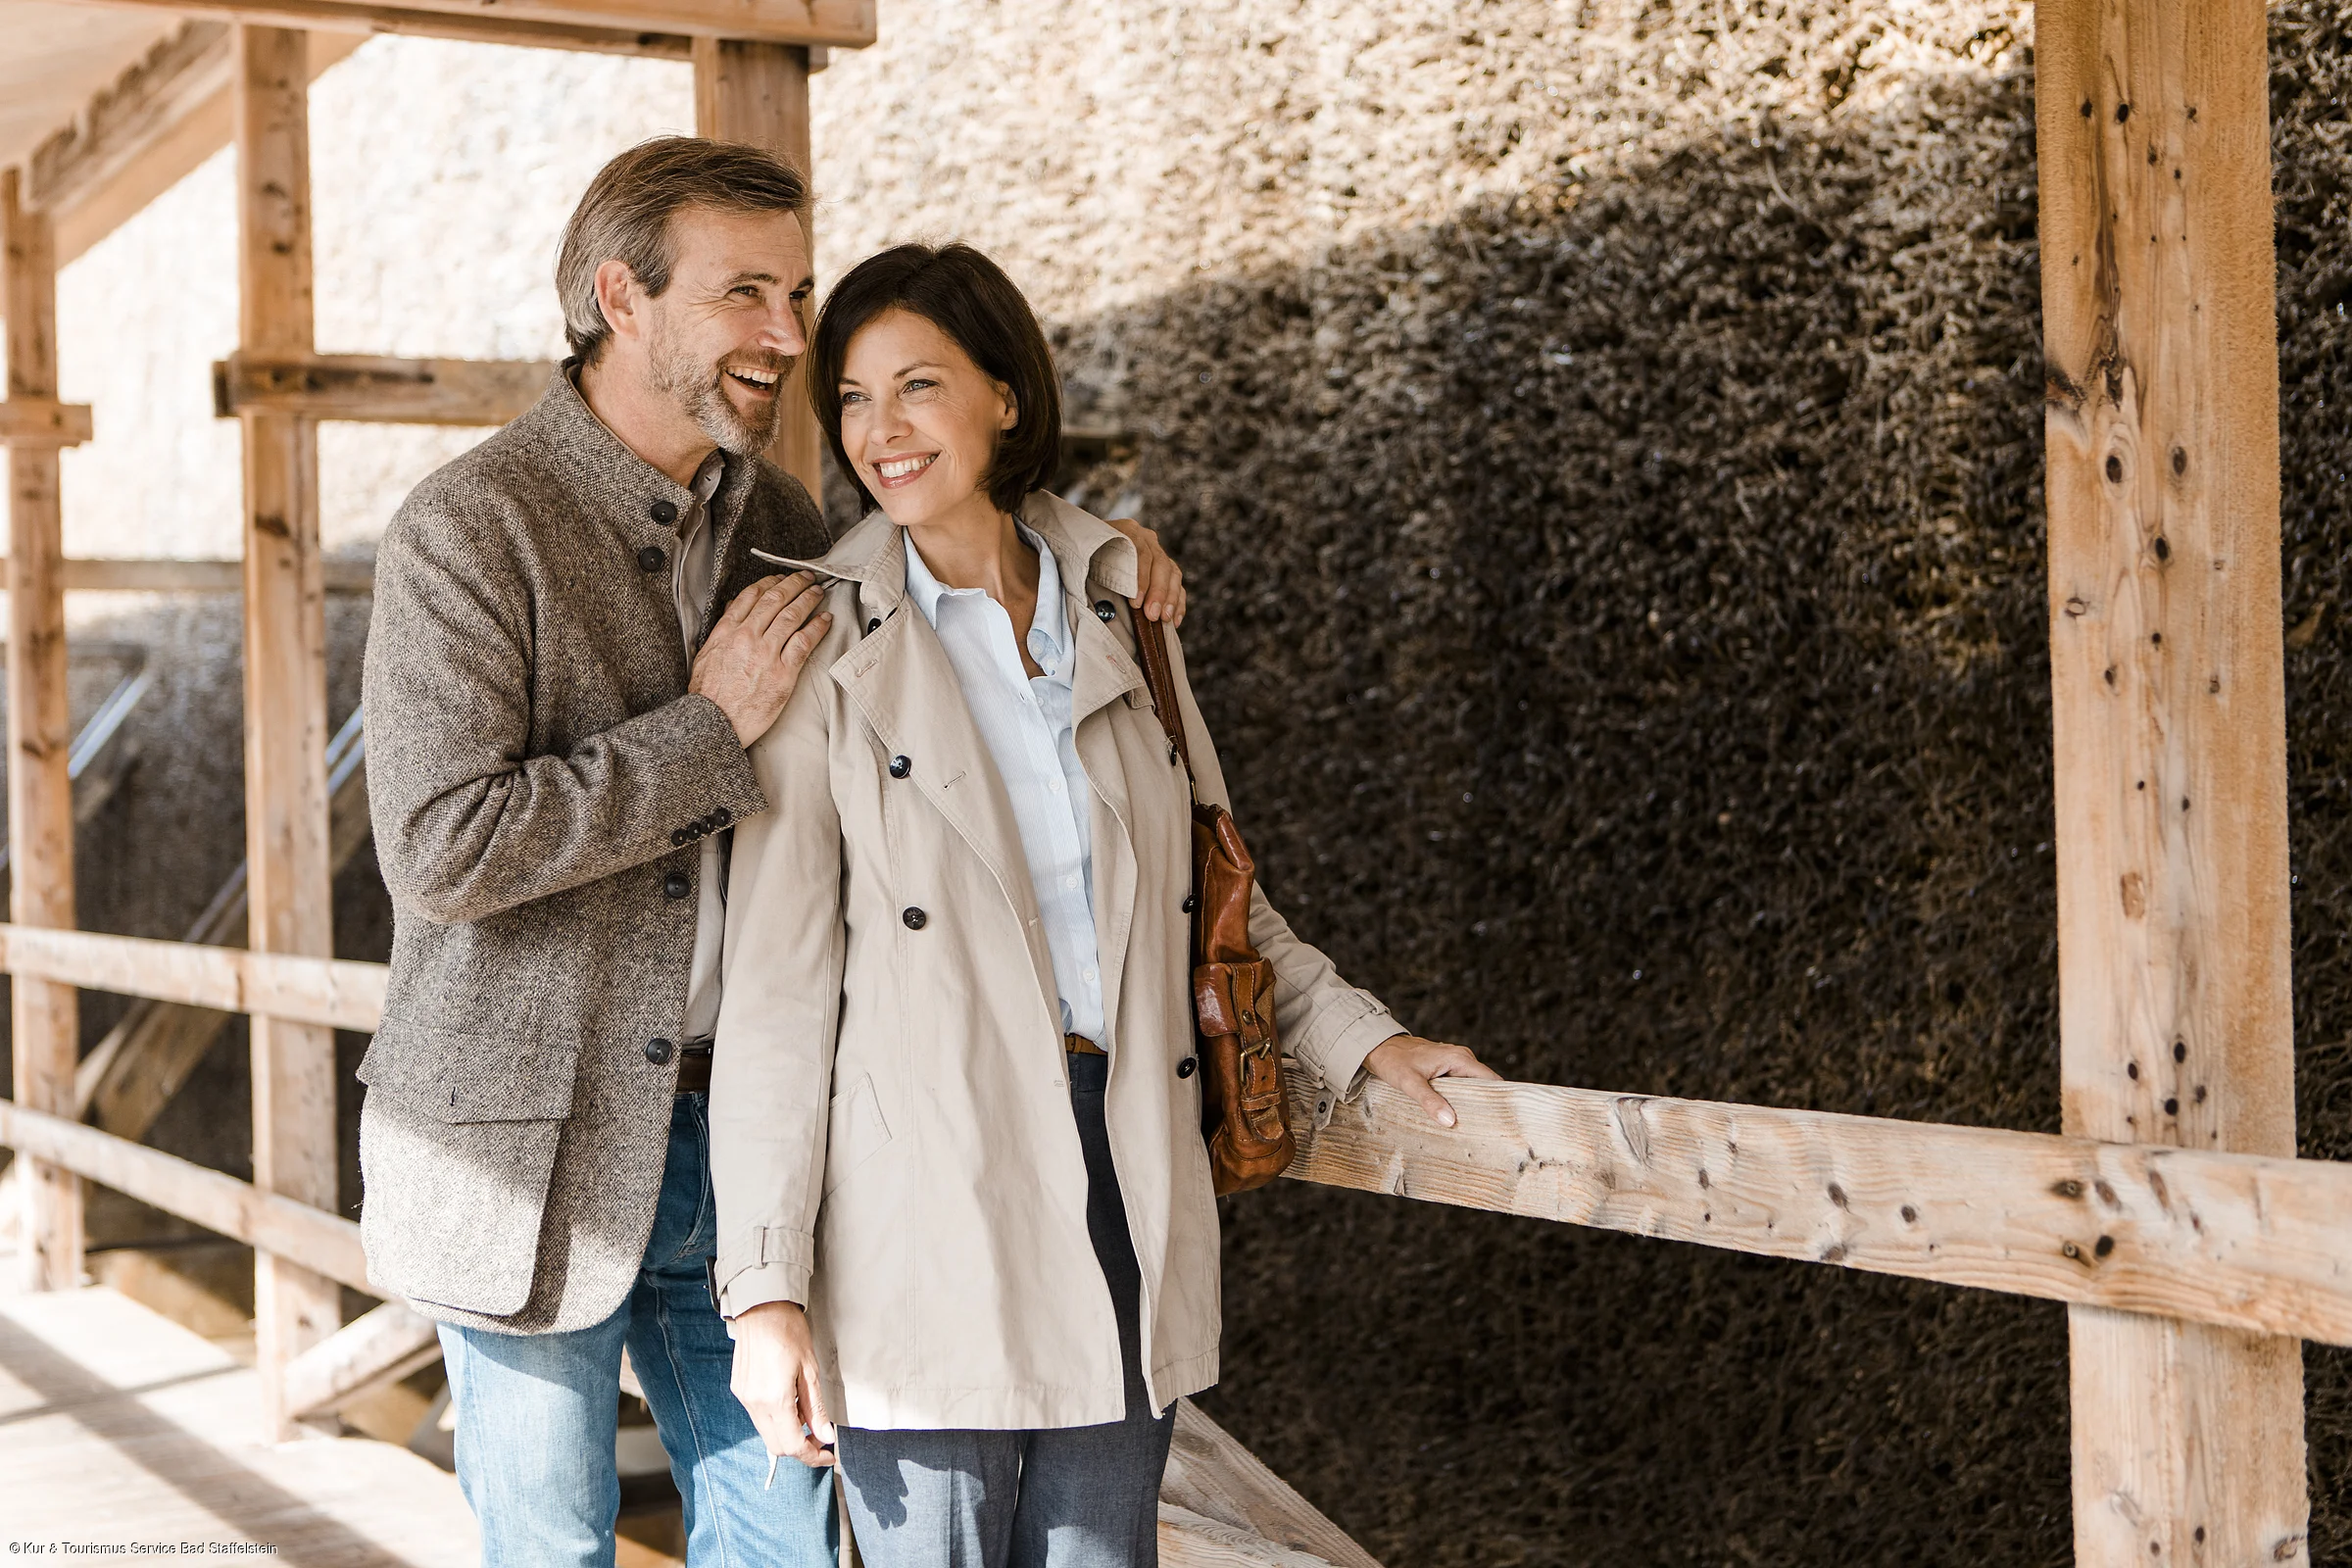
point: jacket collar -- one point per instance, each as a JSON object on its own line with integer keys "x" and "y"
{"x": 1090, "y": 553}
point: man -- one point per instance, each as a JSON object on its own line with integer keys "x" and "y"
{"x": 557, "y": 709}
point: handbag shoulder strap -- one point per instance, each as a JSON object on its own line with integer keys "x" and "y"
{"x": 1152, "y": 641}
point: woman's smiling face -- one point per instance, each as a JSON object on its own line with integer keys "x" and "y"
{"x": 919, "y": 419}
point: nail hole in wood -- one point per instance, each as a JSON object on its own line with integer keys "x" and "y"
{"x": 1910, "y": 1215}
{"x": 2115, "y": 468}
{"x": 2106, "y": 1246}
{"x": 2123, "y": 112}
{"x": 2180, "y": 1050}
{"x": 2086, "y": 108}
{"x": 2156, "y": 638}
{"x": 2172, "y": 1107}
{"x": 2131, "y": 1071}
{"x": 2068, "y": 1188}
{"x": 2164, "y": 548}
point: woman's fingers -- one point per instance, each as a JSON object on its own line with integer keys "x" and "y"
{"x": 821, "y": 1430}
{"x": 1159, "y": 581}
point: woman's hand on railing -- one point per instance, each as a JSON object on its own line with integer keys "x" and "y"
{"x": 775, "y": 1379}
{"x": 1409, "y": 1064}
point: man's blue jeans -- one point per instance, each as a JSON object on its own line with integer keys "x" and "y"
{"x": 537, "y": 1412}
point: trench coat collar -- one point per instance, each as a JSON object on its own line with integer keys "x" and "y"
{"x": 898, "y": 677}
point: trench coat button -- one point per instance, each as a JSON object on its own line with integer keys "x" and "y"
{"x": 872, "y": 626}
{"x": 664, "y": 513}
{"x": 658, "y": 1051}
{"x": 1104, "y": 610}
{"x": 675, "y": 885}
{"x": 1187, "y": 1067}
{"x": 915, "y": 918}
{"x": 901, "y": 767}
{"x": 1191, "y": 902}
{"x": 652, "y": 558}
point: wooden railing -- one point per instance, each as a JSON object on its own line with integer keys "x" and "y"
{"x": 2242, "y": 1241}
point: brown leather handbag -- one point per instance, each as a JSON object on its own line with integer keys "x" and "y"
{"x": 1243, "y": 1113}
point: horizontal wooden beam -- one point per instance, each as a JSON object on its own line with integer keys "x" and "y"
{"x": 1190, "y": 1539}
{"x": 379, "y": 1347}
{"x": 333, "y": 991}
{"x": 38, "y": 422}
{"x": 323, "y": 1242}
{"x": 156, "y": 92}
{"x": 2245, "y": 1240}
{"x": 104, "y": 577}
{"x": 377, "y": 389}
{"x": 558, "y": 23}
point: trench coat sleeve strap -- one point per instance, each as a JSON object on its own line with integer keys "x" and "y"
{"x": 1327, "y": 1023}
{"x": 467, "y": 824}
{"x": 771, "y": 1065}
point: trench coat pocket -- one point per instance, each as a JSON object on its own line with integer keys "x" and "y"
{"x": 854, "y": 1132}
{"x": 458, "y": 1140}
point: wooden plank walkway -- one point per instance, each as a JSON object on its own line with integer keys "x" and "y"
{"x": 119, "y": 1427}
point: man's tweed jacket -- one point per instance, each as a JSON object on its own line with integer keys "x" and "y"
{"x": 538, "y": 778}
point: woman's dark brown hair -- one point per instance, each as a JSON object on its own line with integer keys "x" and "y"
{"x": 968, "y": 297}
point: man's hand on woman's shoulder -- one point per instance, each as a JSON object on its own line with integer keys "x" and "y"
{"x": 752, "y": 657}
{"x": 1412, "y": 1064}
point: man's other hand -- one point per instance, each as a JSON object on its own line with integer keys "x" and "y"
{"x": 775, "y": 1379}
{"x": 752, "y": 657}
{"x": 1159, "y": 581}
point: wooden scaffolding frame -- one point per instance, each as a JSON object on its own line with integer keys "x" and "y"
{"x": 2193, "y": 1250}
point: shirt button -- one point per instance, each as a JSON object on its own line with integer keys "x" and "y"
{"x": 652, "y": 558}
{"x": 1054, "y": 785}
{"x": 1104, "y": 610}
{"x": 658, "y": 1051}
{"x": 914, "y": 918}
{"x": 1087, "y": 975}
{"x": 901, "y": 767}
{"x": 664, "y": 513}
{"x": 1069, "y": 881}
{"x": 675, "y": 885}
{"x": 1187, "y": 1067}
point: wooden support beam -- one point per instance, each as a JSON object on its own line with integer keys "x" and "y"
{"x": 379, "y": 1347}
{"x": 558, "y": 23}
{"x": 44, "y": 1018}
{"x": 2162, "y": 437}
{"x": 30, "y": 421}
{"x": 324, "y": 1245}
{"x": 378, "y": 389}
{"x": 291, "y": 887}
{"x": 139, "y": 138}
{"x": 1212, "y": 1481}
{"x": 2249, "y": 1240}
{"x": 757, "y": 94}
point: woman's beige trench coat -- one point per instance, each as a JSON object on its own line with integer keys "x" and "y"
{"x": 892, "y": 1140}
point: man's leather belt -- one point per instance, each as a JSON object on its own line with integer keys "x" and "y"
{"x": 694, "y": 1068}
{"x": 1080, "y": 1045}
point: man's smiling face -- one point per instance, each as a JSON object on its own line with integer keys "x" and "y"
{"x": 723, "y": 338}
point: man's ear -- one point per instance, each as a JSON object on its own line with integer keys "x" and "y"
{"x": 618, "y": 298}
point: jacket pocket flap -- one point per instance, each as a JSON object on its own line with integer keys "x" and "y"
{"x": 461, "y": 1076}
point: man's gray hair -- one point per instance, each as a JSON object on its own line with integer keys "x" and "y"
{"x": 624, "y": 216}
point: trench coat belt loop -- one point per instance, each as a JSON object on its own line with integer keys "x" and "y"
{"x": 1080, "y": 1045}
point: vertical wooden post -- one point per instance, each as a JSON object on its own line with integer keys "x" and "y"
{"x": 758, "y": 93}
{"x": 286, "y": 843}
{"x": 44, "y": 1018}
{"x": 2176, "y": 1026}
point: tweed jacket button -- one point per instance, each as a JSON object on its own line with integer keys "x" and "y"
{"x": 678, "y": 837}
{"x": 901, "y": 767}
{"x": 721, "y": 816}
{"x": 1187, "y": 1067}
{"x": 652, "y": 558}
{"x": 914, "y": 918}
{"x": 1104, "y": 610}
{"x": 658, "y": 1051}
{"x": 664, "y": 513}
{"x": 675, "y": 885}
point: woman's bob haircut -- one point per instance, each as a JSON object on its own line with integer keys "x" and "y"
{"x": 968, "y": 297}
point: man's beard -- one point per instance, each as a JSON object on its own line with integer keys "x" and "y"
{"x": 696, "y": 385}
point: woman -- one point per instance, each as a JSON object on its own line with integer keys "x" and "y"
{"x": 963, "y": 1204}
